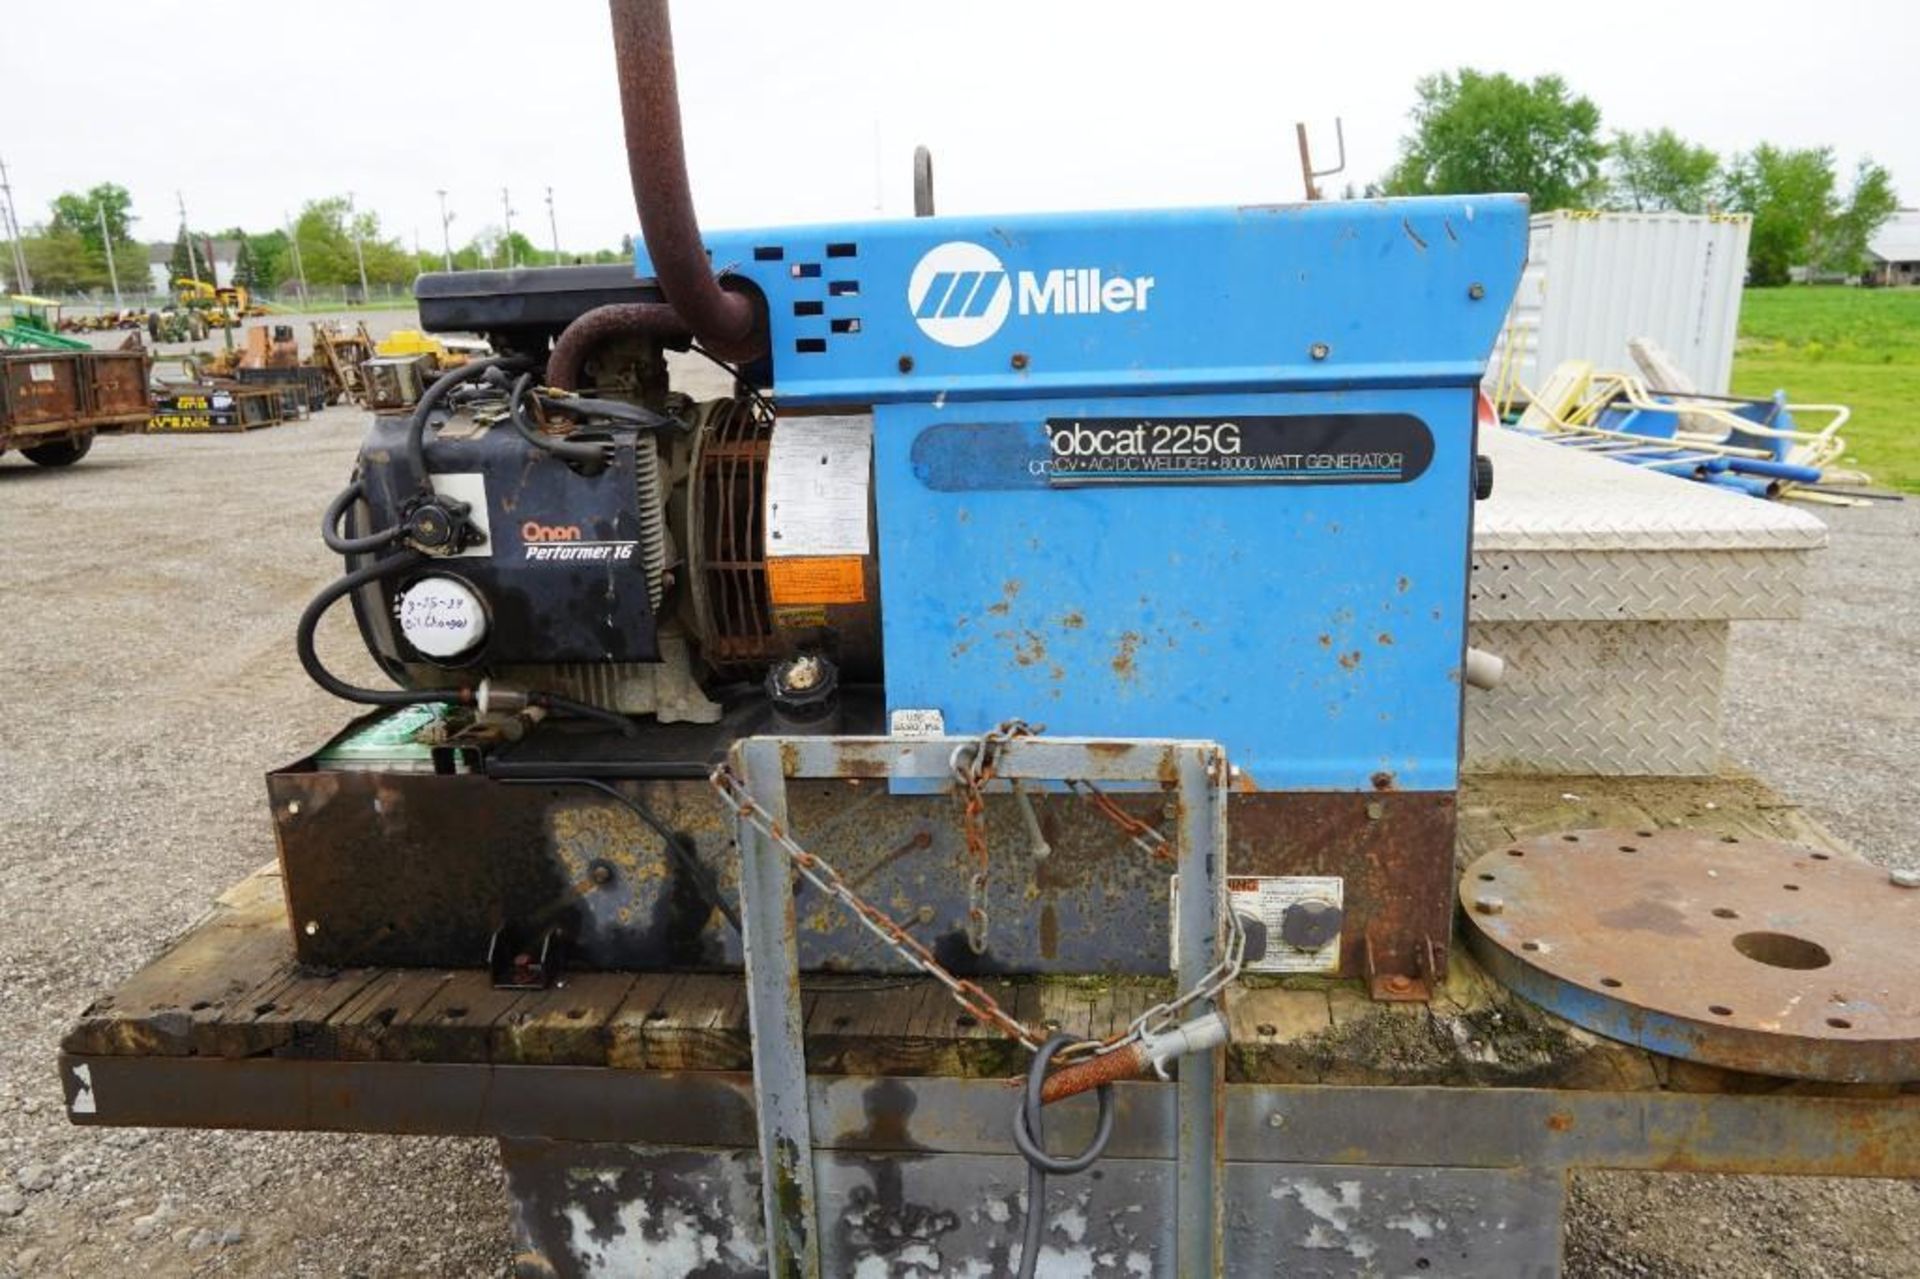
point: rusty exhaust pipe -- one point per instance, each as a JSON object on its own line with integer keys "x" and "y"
{"x": 655, "y": 320}
{"x": 724, "y": 321}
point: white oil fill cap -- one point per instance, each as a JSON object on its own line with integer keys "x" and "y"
{"x": 441, "y": 617}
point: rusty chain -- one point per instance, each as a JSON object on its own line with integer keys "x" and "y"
{"x": 821, "y": 875}
{"x": 973, "y": 769}
{"x": 975, "y": 765}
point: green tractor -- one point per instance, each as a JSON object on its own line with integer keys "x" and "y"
{"x": 34, "y": 323}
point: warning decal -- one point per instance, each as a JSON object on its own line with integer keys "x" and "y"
{"x": 820, "y": 579}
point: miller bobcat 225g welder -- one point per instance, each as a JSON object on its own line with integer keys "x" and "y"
{"x": 996, "y": 504}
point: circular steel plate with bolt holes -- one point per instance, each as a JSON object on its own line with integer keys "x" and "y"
{"x": 1743, "y": 953}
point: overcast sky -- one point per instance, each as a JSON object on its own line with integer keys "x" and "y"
{"x": 810, "y": 111}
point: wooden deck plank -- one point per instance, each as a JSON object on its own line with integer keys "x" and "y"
{"x": 207, "y": 973}
{"x": 700, "y": 1023}
{"x": 626, "y": 1028}
{"x": 566, "y": 1026}
{"x": 457, "y": 1022}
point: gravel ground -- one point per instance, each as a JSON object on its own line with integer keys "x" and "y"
{"x": 151, "y": 592}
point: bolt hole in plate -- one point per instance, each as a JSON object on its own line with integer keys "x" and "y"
{"x": 1693, "y": 945}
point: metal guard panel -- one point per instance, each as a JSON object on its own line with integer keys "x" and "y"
{"x": 1389, "y": 292}
{"x": 1314, "y": 630}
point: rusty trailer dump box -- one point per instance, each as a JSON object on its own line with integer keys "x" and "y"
{"x": 52, "y": 403}
{"x": 1357, "y": 1137}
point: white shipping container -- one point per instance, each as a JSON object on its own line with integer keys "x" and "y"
{"x": 1594, "y": 280}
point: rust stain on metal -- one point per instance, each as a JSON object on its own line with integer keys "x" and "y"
{"x": 1073, "y": 621}
{"x": 1123, "y": 655}
{"x": 1560, "y": 1121}
{"x": 1384, "y": 638}
{"x": 1009, "y": 592}
{"x": 1647, "y": 916}
{"x": 1049, "y": 931}
{"x": 1398, "y": 868}
{"x": 1031, "y": 650}
{"x": 1350, "y": 660}
{"x": 728, "y": 322}
{"x": 1383, "y": 780}
{"x": 1767, "y": 957}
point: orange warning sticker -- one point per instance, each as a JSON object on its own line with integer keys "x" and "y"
{"x": 817, "y": 579}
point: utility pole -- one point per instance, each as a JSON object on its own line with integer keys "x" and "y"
{"x": 446, "y": 235}
{"x": 554, "y": 227}
{"x": 299, "y": 269}
{"x": 22, "y": 278}
{"x": 193, "y": 260}
{"x": 359, "y": 254}
{"x": 106, "y": 238}
{"x": 506, "y": 216}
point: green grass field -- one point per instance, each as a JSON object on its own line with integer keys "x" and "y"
{"x": 1858, "y": 347}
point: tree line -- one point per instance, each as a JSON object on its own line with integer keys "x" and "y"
{"x": 1472, "y": 132}
{"x": 1480, "y": 132}
{"x": 68, "y": 253}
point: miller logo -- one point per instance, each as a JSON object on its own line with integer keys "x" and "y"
{"x": 960, "y": 293}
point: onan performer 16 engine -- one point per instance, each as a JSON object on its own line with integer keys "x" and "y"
{"x": 1200, "y": 474}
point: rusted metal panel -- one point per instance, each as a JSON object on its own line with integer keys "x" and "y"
{"x": 39, "y": 388}
{"x": 117, "y": 386}
{"x": 603, "y": 1209}
{"x": 1753, "y": 955}
{"x": 1394, "y": 851}
{"x": 1784, "y": 1134}
{"x": 421, "y": 869}
{"x": 43, "y": 392}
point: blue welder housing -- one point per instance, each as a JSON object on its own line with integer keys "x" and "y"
{"x": 1063, "y": 535}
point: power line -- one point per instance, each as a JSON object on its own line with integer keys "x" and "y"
{"x": 22, "y": 278}
{"x": 446, "y": 235}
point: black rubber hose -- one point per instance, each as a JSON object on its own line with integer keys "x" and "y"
{"x": 310, "y": 623}
{"x": 431, "y": 397}
{"x": 592, "y": 457}
{"x": 584, "y": 710}
{"x": 1030, "y": 1135}
{"x": 337, "y": 510}
{"x": 703, "y": 881}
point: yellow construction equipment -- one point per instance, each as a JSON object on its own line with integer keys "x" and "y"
{"x": 446, "y": 352}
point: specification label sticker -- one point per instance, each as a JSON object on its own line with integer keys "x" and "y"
{"x": 817, "y": 472}
{"x": 913, "y": 722}
{"x": 1268, "y": 898}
